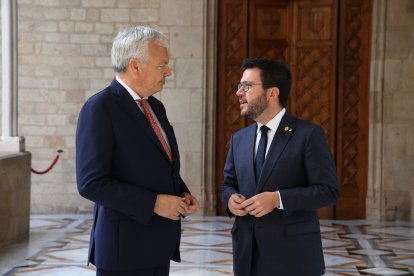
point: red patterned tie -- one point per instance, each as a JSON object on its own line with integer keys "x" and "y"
{"x": 155, "y": 126}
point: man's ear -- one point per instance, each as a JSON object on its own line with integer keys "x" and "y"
{"x": 134, "y": 65}
{"x": 274, "y": 94}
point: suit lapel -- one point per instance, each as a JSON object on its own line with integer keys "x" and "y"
{"x": 283, "y": 133}
{"x": 127, "y": 104}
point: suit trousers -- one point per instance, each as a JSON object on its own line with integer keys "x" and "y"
{"x": 155, "y": 271}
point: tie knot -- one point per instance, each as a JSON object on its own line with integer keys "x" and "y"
{"x": 264, "y": 129}
{"x": 142, "y": 101}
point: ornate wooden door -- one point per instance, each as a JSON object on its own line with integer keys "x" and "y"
{"x": 322, "y": 42}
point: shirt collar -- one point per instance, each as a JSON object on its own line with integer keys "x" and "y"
{"x": 273, "y": 124}
{"x": 129, "y": 89}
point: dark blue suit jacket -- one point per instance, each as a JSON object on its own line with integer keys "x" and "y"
{"x": 299, "y": 165}
{"x": 121, "y": 166}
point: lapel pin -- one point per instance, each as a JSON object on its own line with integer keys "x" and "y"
{"x": 288, "y": 129}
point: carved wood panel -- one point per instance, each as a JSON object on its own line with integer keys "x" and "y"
{"x": 353, "y": 77}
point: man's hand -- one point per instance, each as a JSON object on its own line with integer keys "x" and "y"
{"x": 261, "y": 204}
{"x": 235, "y": 205}
{"x": 191, "y": 202}
{"x": 170, "y": 206}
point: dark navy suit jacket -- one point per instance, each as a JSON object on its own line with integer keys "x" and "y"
{"x": 121, "y": 166}
{"x": 299, "y": 165}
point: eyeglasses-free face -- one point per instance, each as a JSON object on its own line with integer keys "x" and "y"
{"x": 246, "y": 85}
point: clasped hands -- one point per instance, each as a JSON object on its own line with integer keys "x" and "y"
{"x": 170, "y": 206}
{"x": 258, "y": 205}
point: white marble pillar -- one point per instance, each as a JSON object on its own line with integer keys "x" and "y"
{"x": 9, "y": 141}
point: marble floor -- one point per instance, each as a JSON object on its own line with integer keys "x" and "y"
{"x": 58, "y": 245}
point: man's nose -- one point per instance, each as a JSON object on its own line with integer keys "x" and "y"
{"x": 167, "y": 71}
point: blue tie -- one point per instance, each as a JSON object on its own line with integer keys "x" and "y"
{"x": 261, "y": 152}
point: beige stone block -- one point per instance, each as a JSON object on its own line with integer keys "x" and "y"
{"x": 186, "y": 42}
{"x": 93, "y": 15}
{"x": 38, "y": 26}
{"x": 108, "y": 73}
{"x": 38, "y": 82}
{"x": 56, "y": 37}
{"x": 56, "y": 3}
{"x": 103, "y": 62}
{"x": 398, "y": 205}
{"x": 66, "y": 26}
{"x": 32, "y": 95}
{"x": 82, "y": 27}
{"x": 25, "y": 48}
{"x": 107, "y": 39}
{"x": 56, "y": 120}
{"x": 43, "y": 60}
{"x": 132, "y": 4}
{"x": 55, "y": 142}
{"x": 104, "y": 28}
{"x": 70, "y": 141}
{"x": 90, "y": 73}
{"x": 30, "y": 12}
{"x": 67, "y": 108}
{"x": 44, "y": 108}
{"x": 60, "y": 49}
{"x": 34, "y": 141}
{"x": 74, "y": 84}
{"x": 38, "y": 71}
{"x": 192, "y": 171}
{"x": 56, "y": 13}
{"x": 115, "y": 15}
{"x": 78, "y": 14}
{"x": 196, "y": 106}
{"x": 397, "y": 44}
{"x": 197, "y": 12}
{"x": 99, "y": 84}
{"x": 30, "y": 37}
{"x": 177, "y": 104}
{"x": 84, "y": 38}
{"x": 400, "y": 14}
{"x": 408, "y": 75}
{"x": 98, "y": 3}
{"x": 175, "y": 13}
{"x": 399, "y": 107}
{"x": 142, "y": 16}
{"x": 56, "y": 96}
{"x": 79, "y": 62}
{"x": 95, "y": 50}
{"x": 37, "y": 130}
{"x": 25, "y": 108}
{"x": 189, "y": 73}
{"x": 392, "y": 74}
{"x": 188, "y": 136}
{"x": 32, "y": 119}
{"x": 67, "y": 130}
{"x": 152, "y": 3}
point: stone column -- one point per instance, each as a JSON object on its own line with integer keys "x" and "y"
{"x": 9, "y": 141}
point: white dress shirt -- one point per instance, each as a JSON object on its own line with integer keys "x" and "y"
{"x": 273, "y": 124}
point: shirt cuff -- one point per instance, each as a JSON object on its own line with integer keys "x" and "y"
{"x": 280, "y": 201}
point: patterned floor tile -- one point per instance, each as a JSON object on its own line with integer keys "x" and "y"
{"x": 58, "y": 246}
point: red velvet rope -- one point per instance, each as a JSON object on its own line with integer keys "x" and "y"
{"x": 51, "y": 165}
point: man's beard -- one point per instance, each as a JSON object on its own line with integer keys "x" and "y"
{"x": 256, "y": 107}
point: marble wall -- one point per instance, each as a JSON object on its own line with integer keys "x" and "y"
{"x": 391, "y": 173}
